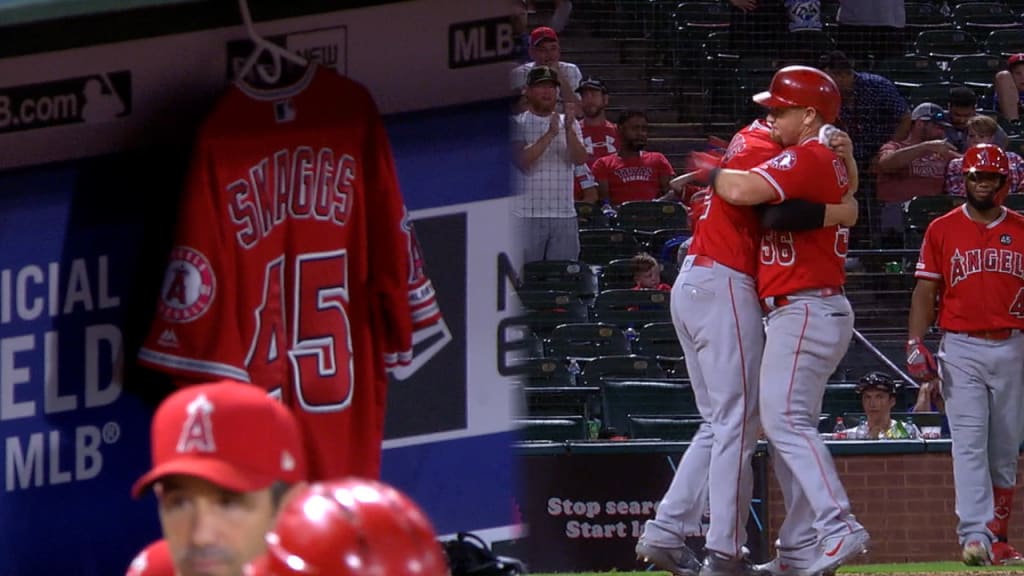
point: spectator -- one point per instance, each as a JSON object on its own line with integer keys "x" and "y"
{"x": 982, "y": 130}
{"x": 647, "y": 273}
{"x": 878, "y": 393}
{"x": 873, "y": 111}
{"x": 914, "y": 166}
{"x": 546, "y": 51}
{"x": 1008, "y": 89}
{"x": 632, "y": 173}
{"x": 963, "y": 104}
{"x": 871, "y": 28}
{"x": 546, "y": 145}
{"x": 600, "y": 136}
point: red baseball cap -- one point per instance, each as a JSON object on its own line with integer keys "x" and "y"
{"x": 1015, "y": 59}
{"x": 153, "y": 560}
{"x": 228, "y": 433}
{"x": 541, "y": 34}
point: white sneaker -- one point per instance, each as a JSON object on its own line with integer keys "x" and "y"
{"x": 838, "y": 549}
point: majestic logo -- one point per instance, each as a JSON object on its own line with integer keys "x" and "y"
{"x": 189, "y": 286}
{"x": 197, "y": 432}
{"x": 83, "y": 99}
{"x": 784, "y": 161}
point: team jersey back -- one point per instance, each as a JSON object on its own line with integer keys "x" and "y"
{"x": 793, "y": 261}
{"x": 980, "y": 268}
{"x": 726, "y": 233}
{"x": 295, "y": 266}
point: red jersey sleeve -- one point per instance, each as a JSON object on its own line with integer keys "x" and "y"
{"x": 795, "y": 173}
{"x": 929, "y": 261}
{"x": 602, "y": 168}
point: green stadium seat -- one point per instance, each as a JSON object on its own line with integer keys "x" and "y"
{"x": 659, "y": 339}
{"x": 551, "y": 429}
{"x": 632, "y": 308}
{"x": 921, "y": 16}
{"x": 976, "y": 71}
{"x": 935, "y": 92}
{"x": 598, "y": 246}
{"x": 621, "y": 399}
{"x": 1004, "y": 42}
{"x": 589, "y": 215}
{"x": 944, "y": 45}
{"x": 546, "y": 372}
{"x": 840, "y": 399}
{"x": 597, "y": 371}
{"x": 587, "y": 340}
{"x": 678, "y": 429}
{"x": 982, "y": 17}
{"x": 570, "y": 276}
{"x": 923, "y": 209}
{"x": 561, "y": 401}
{"x": 651, "y": 216}
{"x": 617, "y": 275}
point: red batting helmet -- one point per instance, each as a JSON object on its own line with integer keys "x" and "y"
{"x": 991, "y": 159}
{"x": 802, "y": 86}
{"x": 349, "y": 527}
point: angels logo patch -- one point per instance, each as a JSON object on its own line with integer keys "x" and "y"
{"x": 784, "y": 161}
{"x": 737, "y": 145}
{"x": 188, "y": 288}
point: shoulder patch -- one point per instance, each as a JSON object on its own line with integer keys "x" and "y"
{"x": 189, "y": 286}
{"x": 737, "y": 145}
{"x": 784, "y": 161}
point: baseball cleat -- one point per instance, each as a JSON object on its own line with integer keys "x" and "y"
{"x": 782, "y": 567}
{"x": 715, "y": 565}
{"x": 679, "y": 561}
{"x": 1005, "y": 555}
{"x": 838, "y": 549}
{"x": 976, "y": 553}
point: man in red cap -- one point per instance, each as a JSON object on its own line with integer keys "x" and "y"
{"x": 224, "y": 455}
{"x": 545, "y": 51}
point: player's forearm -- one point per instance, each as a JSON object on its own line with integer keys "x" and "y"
{"x": 843, "y": 214}
{"x": 922, "y": 309}
{"x": 529, "y": 154}
{"x": 742, "y": 188}
{"x": 854, "y": 173}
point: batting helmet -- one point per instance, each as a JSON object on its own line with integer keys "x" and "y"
{"x": 352, "y": 526}
{"x": 877, "y": 380}
{"x": 991, "y": 159}
{"x": 802, "y": 86}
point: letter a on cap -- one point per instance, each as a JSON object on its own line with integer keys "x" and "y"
{"x": 197, "y": 432}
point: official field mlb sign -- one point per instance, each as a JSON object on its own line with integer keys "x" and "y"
{"x": 90, "y": 99}
{"x": 480, "y": 42}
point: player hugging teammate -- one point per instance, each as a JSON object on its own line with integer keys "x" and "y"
{"x": 781, "y": 264}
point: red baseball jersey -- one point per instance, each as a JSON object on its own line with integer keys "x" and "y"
{"x": 633, "y": 178}
{"x": 794, "y": 261}
{"x": 600, "y": 141}
{"x": 295, "y": 266}
{"x": 726, "y": 233}
{"x": 980, "y": 267}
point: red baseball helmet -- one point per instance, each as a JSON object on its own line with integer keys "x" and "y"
{"x": 991, "y": 159}
{"x": 349, "y": 527}
{"x": 802, "y": 86}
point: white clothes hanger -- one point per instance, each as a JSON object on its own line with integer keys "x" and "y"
{"x": 261, "y": 44}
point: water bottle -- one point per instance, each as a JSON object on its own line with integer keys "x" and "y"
{"x": 839, "y": 432}
{"x": 861, "y": 433}
{"x": 574, "y": 370}
{"x": 632, "y": 336}
{"x": 909, "y": 427}
{"x": 900, "y": 432}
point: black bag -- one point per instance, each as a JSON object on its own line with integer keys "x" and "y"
{"x": 469, "y": 555}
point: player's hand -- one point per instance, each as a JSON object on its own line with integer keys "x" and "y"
{"x": 702, "y": 163}
{"x": 745, "y": 5}
{"x": 921, "y": 364}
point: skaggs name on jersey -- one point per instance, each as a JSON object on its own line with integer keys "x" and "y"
{"x": 987, "y": 260}
{"x": 297, "y": 183}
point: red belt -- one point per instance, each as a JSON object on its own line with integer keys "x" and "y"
{"x": 769, "y": 304}
{"x": 704, "y": 261}
{"x": 1001, "y": 334}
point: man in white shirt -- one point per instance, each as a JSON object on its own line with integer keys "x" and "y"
{"x": 546, "y": 51}
{"x": 546, "y": 145}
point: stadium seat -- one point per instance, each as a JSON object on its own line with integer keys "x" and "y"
{"x": 1005, "y": 42}
{"x": 631, "y": 308}
{"x": 598, "y": 246}
{"x": 632, "y": 366}
{"x": 547, "y": 372}
{"x": 570, "y": 276}
{"x": 655, "y": 242}
{"x": 982, "y": 17}
{"x": 551, "y": 429}
{"x": 621, "y": 399}
{"x": 935, "y": 92}
{"x": 909, "y": 71}
{"x": 659, "y": 339}
{"x": 589, "y": 215}
{"x": 921, "y": 16}
{"x": 840, "y": 399}
{"x": 617, "y": 275}
{"x": 546, "y": 299}
{"x": 920, "y": 419}
{"x": 651, "y": 216}
{"x": 694, "y": 21}
{"x": 677, "y": 429}
{"x": 976, "y": 71}
{"x": 517, "y": 342}
{"x": 587, "y": 340}
{"x": 944, "y": 45}
{"x": 562, "y": 401}
{"x": 679, "y": 370}
{"x": 923, "y": 209}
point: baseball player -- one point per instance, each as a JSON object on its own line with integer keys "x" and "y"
{"x": 224, "y": 454}
{"x": 809, "y": 321}
{"x": 971, "y": 260}
{"x": 351, "y": 527}
{"x": 718, "y": 282}
{"x": 153, "y": 560}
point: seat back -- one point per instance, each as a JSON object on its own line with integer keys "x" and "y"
{"x": 677, "y": 429}
{"x": 616, "y": 275}
{"x": 1004, "y": 42}
{"x": 547, "y": 372}
{"x": 660, "y": 340}
{"x": 621, "y": 399}
{"x": 598, "y": 246}
{"x": 650, "y": 216}
{"x": 975, "y": 70}
{"x": 936, "y": 92}
{"x": 589, "y": 215}
{"x": 943, "y": 45}
{"x": 551, "y": 429}
{"x": 631, "y": 366}
{"x": 587, "y": 340}
{"x": 632, "y": 308}
{"x": 570, "y": 276}
{"x": 923, "y": 209}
